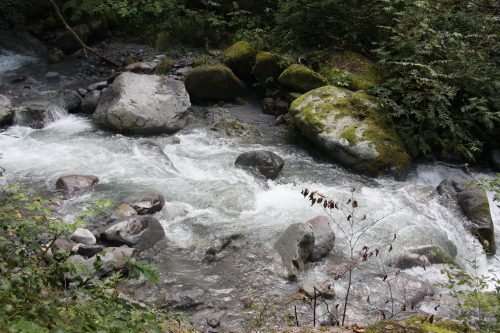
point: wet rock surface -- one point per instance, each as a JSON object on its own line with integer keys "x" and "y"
{"x": 266, "y": 163}
{"x": 71, "y": 185}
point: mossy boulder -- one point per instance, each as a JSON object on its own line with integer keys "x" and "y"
{"x": 350, "y": 129}
{"x": 268, "y": 67}
{"x": 240, "y": 57}
{"x": 164, "y": 67}
{"x": 352, "y": 70}
{"x": 301, "y": 78}
{"x": 418, "y": 324}
{"x": 214, "y": 82}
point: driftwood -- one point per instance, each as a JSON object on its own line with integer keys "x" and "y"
{"x": 85, "y": 47}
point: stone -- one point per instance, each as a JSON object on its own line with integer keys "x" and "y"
{"x": 235, "y": 128}
{"x": 114, "y": 259}
{"x": 146, "y": 67}
{"x": 268, "y": 67}
{"x": 6, "y": 110}
{"x": 224, "y": 245}
{"x": 214, "y": 82}
{"x": 83, "y": 236}
{"x": 240, "y": 58}
{"x": 164, "y": 67}
{"x": 123, "y": 211}
{"x": 495, "y": 158}
{"x": 473, "y": 201}
{"x": 350, "y": 129}
{"x": 141, "y": 232}
{"x": 281, "y": 107}
{"x": 186, "y": 299}
{"x": 424, "y": 255}
{"x": 215, "y": 318}
{"x": 82, "y": 91}
{"x": 301, "y": 79}
{"x": 266, "y": 163}
{"x": 98, "y": 86}
{"x": 323, "y": 289}
{"x": 52, "y": 76}
{"x": 143, "y": 104}
{"x": 72, "y": 185}
{"x": 324, "y": 237}
{"x": 267, "y": 105}
{"x": 72, "y": 100}
{"x": 88, "y": 251}
{"x": 38, "y": 113}
{"x": 295, "y": 246}
{"x": 82, "y": 268}
{"x": 147, "y": 202}
{"x": 90, "y": 101}
{"x": 55, "y": 55}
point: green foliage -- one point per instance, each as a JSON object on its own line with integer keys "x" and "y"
{"x": 34, "y": 294}
{"x": 442, "y": 57}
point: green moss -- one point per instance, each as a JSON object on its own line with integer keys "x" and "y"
{"x": 417, "y": 324}
{"x": 268, "y": 67}
{"x": 240, "y": 57}
{"x": 214, "y": 82}
{"x": 301, "y": 78}
{"x": 350, "y": 135}
{"x": 164, "y": 67}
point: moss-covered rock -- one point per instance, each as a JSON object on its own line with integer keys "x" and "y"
{"x": 164, "y": 67}
{"x": 418, "y": 324}
{"x": 214, "y": 82}
{"x": 350, "y": 129}
{"x": 162, "y": 41}
{"x": 268, "y": 67}
{"x": 235, "y": 128}
{"x": 352, "y": 70}
{"x": 301, "y": 78}
{"x": 240, "y": 57}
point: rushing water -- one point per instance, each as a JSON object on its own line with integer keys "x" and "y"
{"x": 208, "y": 197}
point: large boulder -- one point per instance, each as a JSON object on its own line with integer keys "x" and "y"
{"x": 473, "y": 202}
{"x": 141, "y": 232}
{"x": 5, "y": 110}
{"x": 350, "y": 128}
{"x": 301, "y": 79}
{"x": 214, "y": 82}
{"x": 240, "y": 57}
{"x": 38, "y": 113}
{"x": 295, "y": 246}
{"x": 324, "y": 237}
{"x": 266, "y": 163}
{"x": 145, "y": 203}
{"x": 143, "y": 104}
{"x": 71, "y": 185}
{"x": 268, "y": 67}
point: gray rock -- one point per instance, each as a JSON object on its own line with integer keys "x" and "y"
{"x": 88, "y": 250}
{"x": 97, "y": 86}
{"x": 83, "y": 236}
{"x": 323, "y": 289}
{"x": 424, "y": 255}
{"x": 143, "y": 104}
{"x": 187, "y": 299}
{"x": 215, "y": 318}
{"x": 123, "y": 211}
{"x": 324, "y": 237}
{"x": 141, "y": 232}
{"x": 265, "y": 162}
{"x": 473, "y": 202}
{"x": 6, "y": 110}
{"x": 82, "y": 268}
{"x": 223, "y": 246}
{"x": 295, "y": 246}
{"x": 52, "y": 76}
{"x": 91, "y": 101}
{"x": 82, "y": 91}
{"x": 72, "y": 100}
{"x": 495, "y": 158}
{"x": 142, "y": 67}
{"x": 38, "y": 113}
{"x": 114, "y": 259}
{"x": 71, "y": 185}
{"x": 148, "y": 202}
{"x": 55, "y": 55}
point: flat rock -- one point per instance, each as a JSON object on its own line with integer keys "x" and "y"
{"x": 141, "y": 232}
{"x": 72, "y": 185}
{"x": 147, "y": 202}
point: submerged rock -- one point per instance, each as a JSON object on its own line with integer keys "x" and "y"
{"x": 473, "y": 201}
{"x": 71, "y": 185}
{"x": 6, "y": 110}
{"x": 141, "y": 232}
{"x": 232, "y": 128}
{"x": 240, "y": 57}
{"x": 148, "y": 202}
{"x": 38, "y": 113}
{"x": 423, "y": 256}
{"x": 295, "y": 246}
{"x": 301, "y": 78}
{"x": 223, "y": 246}
{"x": 350, "y": 129}
{"x": 324, "y": 237}
{"x": 265, "y": 162}
{"x": 143, "y": 104}
{"x": 214, "y": 82}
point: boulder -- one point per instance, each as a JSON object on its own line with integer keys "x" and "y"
{"x": 495, "y": 156}
{"x": 214, "y": 82}
{"x": 295, "y": 246}
{"x": 71, "y": 185}
{"x": 90, "y": 101}
{"x": 473, "y": 202}
{"x": 351, "y": 130}
{"x": 324, "y": 237}
{"x": 323, "y": 289}
{"x": 72, "y": 100}
{"x": 6, "y": 110}
{"x": 266, "y": 163}
{"x": 240, "y": 57}
{"x": 268, "y": 67}
{"x": 143, "y": 104}
{"x": 301, "y": 78}
{"x": 424, "y": 255}
{"x": 83, "y": 236}
{"x": 186, "y": 299}
{"x": 141, "y": 232}
{"x": 114, "y": 259}
{"x": 164, "y": 67}
{"x": 38, "y": 113}
{"x": 144, "y": 203}
{"x": 88, "y": 250}
{"x": 123, "y": 211}
{"x": 55, "y": 55}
